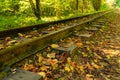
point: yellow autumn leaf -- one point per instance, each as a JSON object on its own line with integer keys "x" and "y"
{"x": 81, "y": 68}
{"x": 69, "y": 60}
{"x": 108, "y": 56}
{"x": 95, "y": 60}
{"x": 20, "y": 34}
{"x": 67, "y": 69}
{"x": 51, "y": 55}
{"x": 40, "y": 58}
{"x": 97, "y": 56}
{"x": 101, "y": 30}
{"x": 55, "y": 66}
{"x": 42, "y": 74}
{"x": 96, "y": 66}
{"x": 44, "y": 68}
{"x": 89, "y": 75}
{"x": 54, "y": 45}
{"x": 71, "y": 68}
{"x": 84, "y": 54}
{"x": 88, "y": 48}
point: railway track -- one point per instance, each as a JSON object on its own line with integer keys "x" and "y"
{"x": 23, "y": 42}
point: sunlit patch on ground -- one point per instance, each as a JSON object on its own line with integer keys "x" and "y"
{"x": 111, "y": 52}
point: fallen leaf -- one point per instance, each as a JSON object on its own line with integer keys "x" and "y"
{"x": 79, "y": 44}
{"x": 44, "y": 68}
{"x": 7, "y": 39}
{"x": 97, "y": 56}
{"x": 71, "y": 68}
{"x": 81, "y": 68}
{"x": 52, "y": 61}
{"x": 69, "y": 60}
{"x": 96, "y": 66}
{"x": 1, "y": 46}
{"x": 20, "y": 34}
{"x": 55, "y": 66}
{"x": 40, "y": 58}
{"x": 51, "y": 55}
{"x": 67, "y": 69}
{"x": 29, "y": 66}
{"x": 84, "y": 54}
{"x": 54, "y": 45}
{"x": 90, "y": 75}
{"x": 89, "y": 66}
{"x": 9, "y": 43}
{"x": 57, "y": 76}
{"x": 43, "y": 74}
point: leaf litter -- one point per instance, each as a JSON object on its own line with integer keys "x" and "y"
{"x": 96, "y": 59}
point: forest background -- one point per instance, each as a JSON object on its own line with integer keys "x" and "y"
{"x": 19, "y": 13}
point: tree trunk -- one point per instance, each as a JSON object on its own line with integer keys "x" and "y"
{"x": 76, "y": 4}
{"x": 36, "y": 9}
{"x": 96, "y": 4}
{"x": 83, "y": 5}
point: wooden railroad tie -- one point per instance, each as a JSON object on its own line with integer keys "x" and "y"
{"x": 70, "y": 48}
{"x": 21, "y": 74}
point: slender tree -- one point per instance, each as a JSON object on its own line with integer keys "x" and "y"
{"x": 76, "y": 4}
{"x": 36, "y": 8}
{"x": 83, "y": 5}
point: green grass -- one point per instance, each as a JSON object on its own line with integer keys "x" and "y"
{"x": 9, "y": 22}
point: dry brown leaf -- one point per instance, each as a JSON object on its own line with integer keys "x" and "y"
{"x": 89, "y": 66}
{"x": 44, "y": 68}
{"x": 7, "y": 39}
{"x": 9, "y": 43}
{"x": 29, "y": 66}
{"x": 52, "y": 61}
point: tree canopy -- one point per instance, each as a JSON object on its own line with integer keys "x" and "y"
{"x": 22, "y": 12}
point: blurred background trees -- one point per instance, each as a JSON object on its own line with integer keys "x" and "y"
{"x": 27, "y": 12}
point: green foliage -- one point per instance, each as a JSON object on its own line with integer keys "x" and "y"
{"x": 16, "y": 21}
{"x": 16, "y": 13}
{"x": 118, "y": 3}
{"x": 104, "y": 6}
